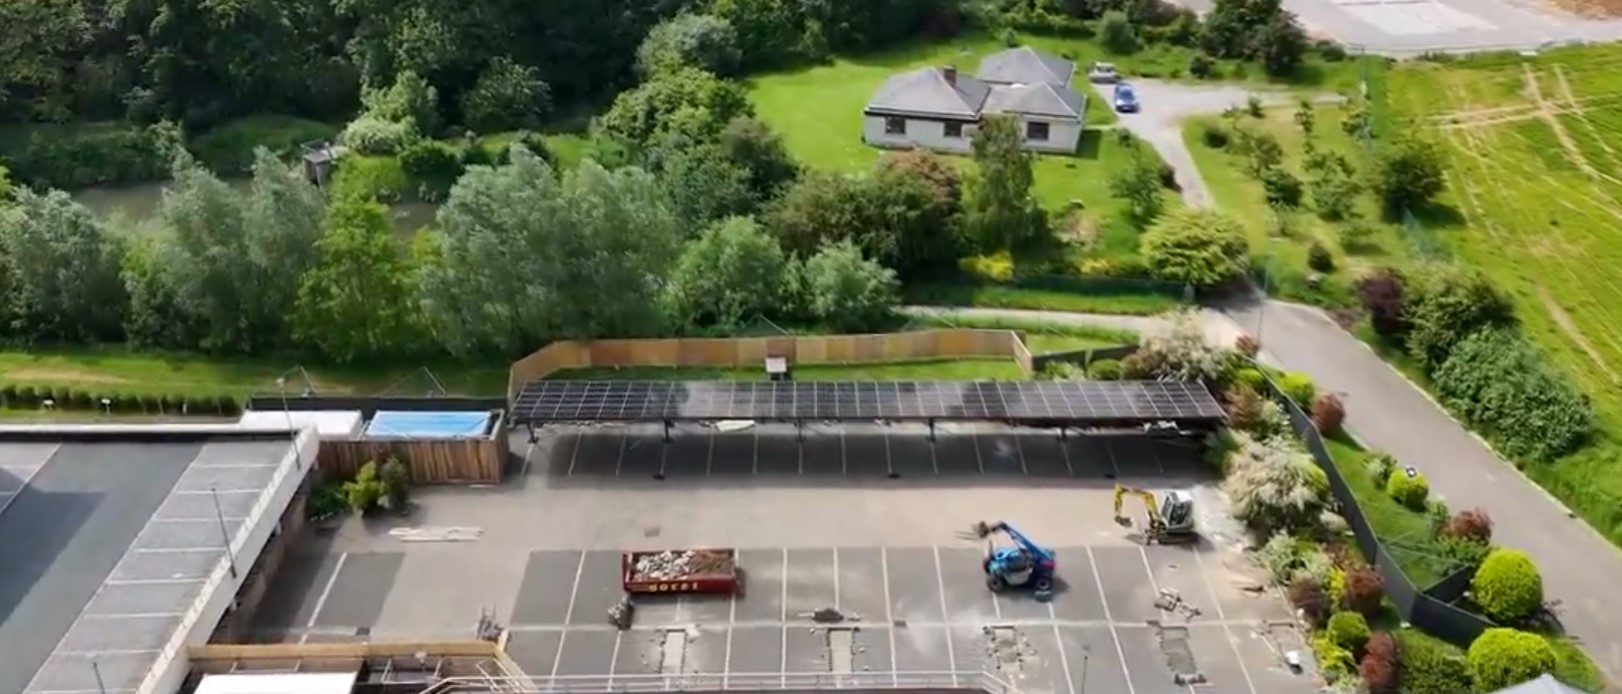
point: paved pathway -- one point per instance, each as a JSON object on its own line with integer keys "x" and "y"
{"x": 1580, "y": 568}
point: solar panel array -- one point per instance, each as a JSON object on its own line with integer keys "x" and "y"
{"x": 1099, "y": 401}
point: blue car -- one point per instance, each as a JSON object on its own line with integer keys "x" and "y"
{"x": 1126, "y": 100}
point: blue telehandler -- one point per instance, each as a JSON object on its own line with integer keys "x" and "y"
{"x": 1025, "y": 564}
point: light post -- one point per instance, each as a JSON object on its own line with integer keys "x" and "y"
{"x": 225, "y": 536}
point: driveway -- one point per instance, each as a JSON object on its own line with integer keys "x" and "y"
{"x": 1163, "y": 108}
{"x": 1580, "y": 568}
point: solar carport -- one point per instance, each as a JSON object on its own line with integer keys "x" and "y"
{"x": 1148, "y": 405}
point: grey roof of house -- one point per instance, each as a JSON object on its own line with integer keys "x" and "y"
{"x": 926, "y": 92}
{"x": 1035, "y": 100}
{"x": 1025, "y": 65}
{"x": 1544, "y": 684}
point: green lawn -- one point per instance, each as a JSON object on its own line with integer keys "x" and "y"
{"x": 114, "y": 371}
{"x": 988, "y": 295}
{"x": 1285, "y": 256}
{"x": 1041, "y": 336}
{"x": 927, "y": 370}
{"x": 1407, "y": 534}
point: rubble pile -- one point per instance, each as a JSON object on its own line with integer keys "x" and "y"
{"x": 672, "y": 565}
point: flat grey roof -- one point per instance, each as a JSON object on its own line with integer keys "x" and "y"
{"x": 107, "y": 545}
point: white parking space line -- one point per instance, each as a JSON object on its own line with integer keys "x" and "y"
{"x": 709, "y": 456}
{"x": 844, "y": 469}
{"x": 1120, "y": 653}
{"x": 176, "y": 550}
{"x": 208, "y": 519}
{"x": 1154, "y": 452}
{"x": 217, "y": 491}
{"x": 1019, "y": 450}
{"x": 940, "y": 580}
{"x": 93, "y": 654}
{"x": 528, "y": 449}
{"x": 782, "y": 638}
{"x": 1065, "y": 452}
{"x": 619, "y": 461}
{"x": 1156, "y": 586}
{"x": 754, "y": 450}
{"x": 1064, "y": 658}
{"x": 579, "y": 442}
{"x": 1110, "y": 450}
{"x": 1232, "y": 640}
{"x": 934, "y": 462}
{"x": 836, "y": 577}
{"x": 152, "y": 581}
{"x": 574, "y": 591}
{"x": 726, "y": 658}
{"x": 612, "y": 659}
{"x": 974, "y": 440}
{"x": 889, "y": 614}
{"x": 326, "y": 591}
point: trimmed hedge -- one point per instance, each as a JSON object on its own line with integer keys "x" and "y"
{"x": 1427, "y": 665}
{"x": 1503, "y": 657}
{"x": 1408, "y": 491}
{"x": 1105, "y": 370}
{"x": 1507, "y": 586}
{"x": 73, "y": 399}
{"x": 1349, "y": 630}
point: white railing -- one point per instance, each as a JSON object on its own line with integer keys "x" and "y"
{"x": 964, "y": 680}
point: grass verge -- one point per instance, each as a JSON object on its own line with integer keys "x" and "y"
{"x": 927, "y": 369}
{"x": 1041, "y": 337}
{"x": 1407, "y": 534}
{"x": 989, "y": 295}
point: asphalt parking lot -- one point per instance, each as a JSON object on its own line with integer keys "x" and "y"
{"x": 819, "y": 523}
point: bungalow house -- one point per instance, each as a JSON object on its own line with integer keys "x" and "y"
{"x": 940, "y": 108}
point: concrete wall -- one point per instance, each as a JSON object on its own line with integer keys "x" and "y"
{"x": 1063, "y": 135}
{"x": 220, "y": 590}
{"x": 926, "y": 134}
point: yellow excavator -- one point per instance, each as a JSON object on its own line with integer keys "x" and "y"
{"x": 1170, "y": 520}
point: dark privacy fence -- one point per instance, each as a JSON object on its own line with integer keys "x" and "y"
{"x": 370, "y": 405}
{"x": 1429, "y": 610}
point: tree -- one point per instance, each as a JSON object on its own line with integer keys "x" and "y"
{"x": 1117, "y": 34}
{"x": 1333, "y": 183}
{"x": 507, "y": 96}
{"x": 1497, "y": 381}
{"x": 770, "y": 32}
{"x": 1445, "y": 304}
{"x": 1002, "y": 212}
{"x": 1200, "y": 247}
{"x": 1501, "y": 658}
{"x": 682, "y": 103}
{"x": 900, "y": 217}
{"x": 734, "y": 270}
{"x": 355, "y": 303}
{"x": 1408, "y": 173}
{"x": 1273, "y": 486}
{"x": 847, "y": 291}
{"x": 1260, "y": 30}
{"x": 1380, "y": 293}
{"x": 702, "y": 41}
{"x": 703, "y": 185}
{"x": 751, "y": 144}
{"x": 59, "y": 271}
{"x": 1139, "y": 185}
{"x": 520, "y": 257}
{"x": 1281, "y": 45}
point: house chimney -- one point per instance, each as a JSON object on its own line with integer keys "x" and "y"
{"x": 950, "y": 71}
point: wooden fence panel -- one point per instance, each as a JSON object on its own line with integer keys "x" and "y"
{"x": 430, "y": 461}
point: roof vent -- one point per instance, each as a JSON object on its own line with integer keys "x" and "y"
{"x": 950, "y": 72}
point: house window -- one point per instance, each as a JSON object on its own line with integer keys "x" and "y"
{"x": 895, "y": 126}
{"x": 954, "y": 129}
{"x": 1036, "y": 131}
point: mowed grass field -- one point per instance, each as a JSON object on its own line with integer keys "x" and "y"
{"x": 818, "y": 109}
{"x": 1534, "y": 150}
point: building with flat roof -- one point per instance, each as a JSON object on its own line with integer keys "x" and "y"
{"x": 125, "y": 545}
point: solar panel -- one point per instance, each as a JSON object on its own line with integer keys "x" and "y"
{"x": 1073, "y": 401}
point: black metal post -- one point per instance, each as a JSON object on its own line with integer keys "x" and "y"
{"x": 667, "y": 431}
{"x": 931, "y": 429}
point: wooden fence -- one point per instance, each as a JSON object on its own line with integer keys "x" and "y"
{"x": 430, "y": 460}
{"x": 946, "y": 343}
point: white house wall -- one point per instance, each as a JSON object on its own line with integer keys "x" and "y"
{"x": 926, "y": 134}
{"x": 1063, "y": 135}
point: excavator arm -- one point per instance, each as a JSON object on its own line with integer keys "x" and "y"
{"x": 1148, "y": 503}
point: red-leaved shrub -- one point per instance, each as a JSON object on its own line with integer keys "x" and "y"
{"x": 1309, "y": 597}
{"x": 1364, "y": 590}
{"x": 1328, "y": 414}
{"x": 1379, "y": 665}
{"x": 1380, "y": 293}
{"x": 1470, "y": 524}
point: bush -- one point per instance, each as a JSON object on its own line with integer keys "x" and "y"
{"x": 1380, "y": 465}
{"x": 1436, "y": 510}
{"x": 1281, "y": 187}
{"x": 1274, "y": 486}
{"x": 703, "y": 41}
{"x": 1200, "y": 247}
{"x": 1117, "y": 35}
{"x": 1298, "y": 387}
{"x": 1470, "y": 524}
{"x": 1281, "y": 555}
{"x": 432, "y": 160}
{"x": 228, "y": 149}
{"x": 1063, "y": 371}
{"x": 1249, "y": 377}
{"x": 365, "y": 491}
{"x": 1319, "y": 259}
{"x": 1247, "y": 345}
{"x": 1104, "y": 370}
{"x": 371, "y": 135}
{"x": 1426, "y": 665}
{"x": 1408, "y": 490}
{"x": 1349, "y": 630}
{"x": 1445, "y": 305}
{"x": 1503, "y": 657}
{"x": 1362, "y": 589}
{"x": 396, "y": 481}
{"x": 1245, "y": 408}
{"x": 1328, "y": 414}
{"x": 80, "y": 156}
{"x": 847, "y": 291}
{"x": 1253, "y": 106}
{"x": 1335, "y": 662}
{"x": 1463, "y": 553}
{"x": 1379, "y": 665}
{"x": 1331, "y": 52}
{"x": 1408, "y": 173}
{"x": 1201, "y": 66}
{"x": 1508, "y": 587}
{"x": 1309, "y": 597}
{"x": 1380, "y": 294}
{"x": 325, "y": 500}
{"x": 1499, "y": 383}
